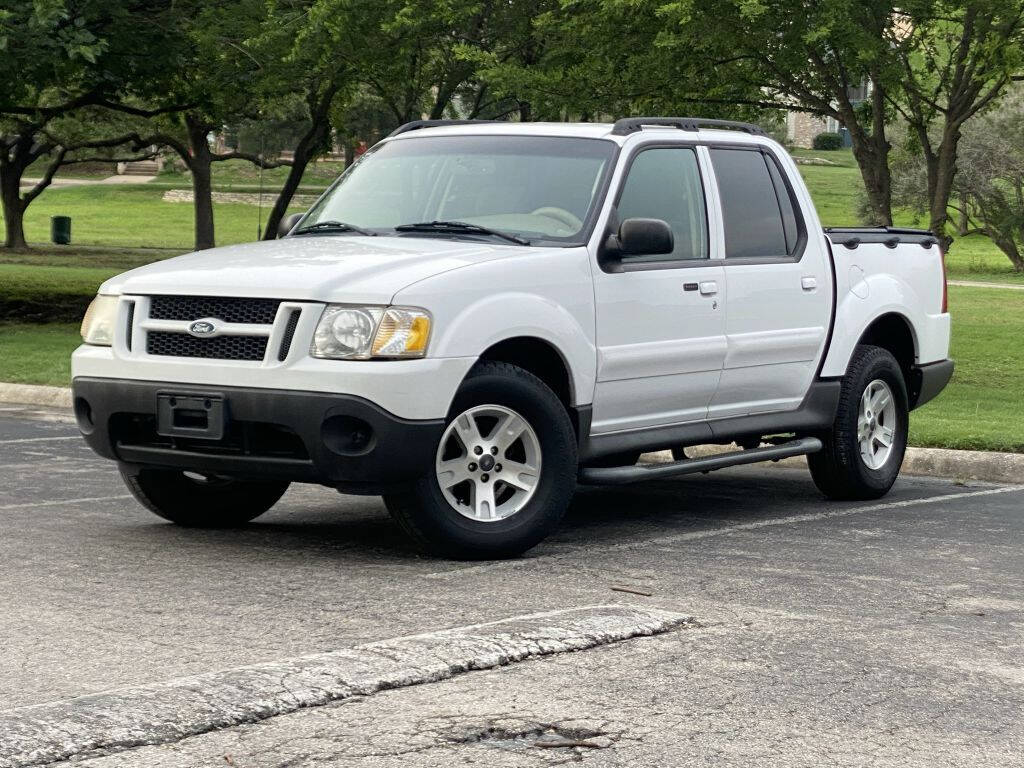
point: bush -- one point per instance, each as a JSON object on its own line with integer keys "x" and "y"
{"x": 828, "y": 141}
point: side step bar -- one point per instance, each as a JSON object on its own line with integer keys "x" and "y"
{"x": 634, "y": 474}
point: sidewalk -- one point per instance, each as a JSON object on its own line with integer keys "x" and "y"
{"x": 125, "y": 179}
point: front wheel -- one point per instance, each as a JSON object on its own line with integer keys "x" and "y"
{"x": 504, "y": 470}
{"x": 201, "y": 501}
{"x": 863, "y": 452}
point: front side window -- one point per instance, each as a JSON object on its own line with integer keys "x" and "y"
{"x": 664, "y": 183}
{"x": 538, "y": 188}
{"x": 758, "y": 223}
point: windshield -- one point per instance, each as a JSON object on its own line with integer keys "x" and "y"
{"x": 537, "y": 188}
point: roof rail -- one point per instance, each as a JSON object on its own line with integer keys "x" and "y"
{"x": 415, "y": 125}
{"x": 628, "y": 125}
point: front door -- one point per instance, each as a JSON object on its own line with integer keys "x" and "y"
{"x": 661, "y": 319}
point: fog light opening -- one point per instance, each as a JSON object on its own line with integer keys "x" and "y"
{"x": 348, "y": 436}
{"x": 83, "y": 415}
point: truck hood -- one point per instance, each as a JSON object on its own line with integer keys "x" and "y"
{"x": 337, "y": 268}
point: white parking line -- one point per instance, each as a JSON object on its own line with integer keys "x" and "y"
{"x": 724, "y": 530}
{"x": 38, "y": 439}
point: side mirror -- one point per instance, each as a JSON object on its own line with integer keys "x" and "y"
{"x": 645, "y": 237}
{"x": 288, "y": 224}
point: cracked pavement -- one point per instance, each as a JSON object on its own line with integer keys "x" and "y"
{"x": 874, "y": 634}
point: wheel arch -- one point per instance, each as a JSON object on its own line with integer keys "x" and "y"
{"x": 541, "y": 358}
{"x": 894, "y": 332}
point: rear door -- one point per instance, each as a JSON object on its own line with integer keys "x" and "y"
{"x": 660, "y": 318}
{"x": 779, "y": 286}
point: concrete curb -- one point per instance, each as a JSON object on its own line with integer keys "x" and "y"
{"x": 159, "y": 713}
{"x": 33, "y": 394}
{"x": 984, "y": 466}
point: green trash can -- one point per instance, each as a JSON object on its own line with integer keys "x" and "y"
{"x": 60, "y": 229}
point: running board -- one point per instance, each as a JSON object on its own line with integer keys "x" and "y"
{"x": 634, "y": 474}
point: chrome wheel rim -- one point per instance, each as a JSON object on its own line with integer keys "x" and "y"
{"x": 877, "y": 424}
{"x": 488, "y": 463}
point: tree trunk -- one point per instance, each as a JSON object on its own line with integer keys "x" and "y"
{"x": 291, "y": 183}
{"x": 871, "y": 150}
{"x": 963, "y": 220}
{"x": 350, "y": 154}
{"x": 315, "y": 140}
{"x": 201, "y": 165}
{"x": 14, "y": 211}
{"x": 942, "y": 186}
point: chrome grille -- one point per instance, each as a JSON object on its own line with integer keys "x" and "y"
{"x": 228, "y": 309}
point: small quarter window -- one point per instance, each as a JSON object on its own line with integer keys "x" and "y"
{"x": 664, "y": 183}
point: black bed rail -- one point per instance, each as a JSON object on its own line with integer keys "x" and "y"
{"x": 628, "y": 125}
{"x": 890, "y": 237}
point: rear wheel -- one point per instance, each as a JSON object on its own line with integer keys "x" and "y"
{"x": 864, "y": 450}
{"x": 201, "y": 501}
{"x": 504, "y": 470}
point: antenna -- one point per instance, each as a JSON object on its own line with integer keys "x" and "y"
{"x": 259, "y": 195}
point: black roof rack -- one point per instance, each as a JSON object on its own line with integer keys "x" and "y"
{"x": 628, "y": 125}
{"x": 415, "y": 125}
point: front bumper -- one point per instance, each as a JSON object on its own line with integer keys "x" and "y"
{"x": 343, "y": 441}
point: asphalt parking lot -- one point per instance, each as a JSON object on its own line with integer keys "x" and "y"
{"x": 883, "y": 633}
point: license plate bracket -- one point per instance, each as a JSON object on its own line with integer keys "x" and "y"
{"x": 198, "y": 416}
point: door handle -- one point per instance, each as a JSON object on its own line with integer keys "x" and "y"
{"x": 808, "y": 283}
{"x": 708, "y": 288}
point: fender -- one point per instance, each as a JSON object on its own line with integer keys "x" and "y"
{"x": 547, "y": 296}
{"x": 866, "y": 302}
{"x": 510, "y": 315}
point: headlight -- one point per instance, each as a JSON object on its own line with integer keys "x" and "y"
{"x": 98, "y": 323}
{"x": 361, "y": 333}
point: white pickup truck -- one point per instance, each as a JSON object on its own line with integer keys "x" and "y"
{"x": 477, "y": 316}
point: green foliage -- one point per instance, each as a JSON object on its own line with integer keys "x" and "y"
{"x": 827, "y": 141}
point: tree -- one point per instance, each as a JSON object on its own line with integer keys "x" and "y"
{"x": 931, "y": 62}
{"x": 955, "y": 58}
{"x": 811, "y": 57}
{"x": 67, "y": 66}
{"x": 221, "y": 81}
{"x": 413, "y": 57}
{"x": 597, "y": 59}
{"x": 306, "y": 79}
{"x": 989, "y": 184}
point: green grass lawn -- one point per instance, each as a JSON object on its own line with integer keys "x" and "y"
{"x": 37, "y": 354}
{"x": 979, "y": 410}
{"x": 133, "y": 217}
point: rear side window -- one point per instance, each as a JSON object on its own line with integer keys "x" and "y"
{"x": 665, "y": 184}
{"x": 758, "y": 213}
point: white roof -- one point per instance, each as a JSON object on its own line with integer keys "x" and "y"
{"x": 574, "y": 130}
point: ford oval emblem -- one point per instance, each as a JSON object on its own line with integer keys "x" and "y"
{"x": 202, "y": 328}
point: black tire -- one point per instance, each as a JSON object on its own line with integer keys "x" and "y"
{"x": 194, "y": 502}
{"x": 838, "y": 469}
{"x": 434, "y": 525}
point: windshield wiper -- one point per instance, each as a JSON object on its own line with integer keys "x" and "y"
{"x": 459, "y": 227}
{"x": 333, "y": 226}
